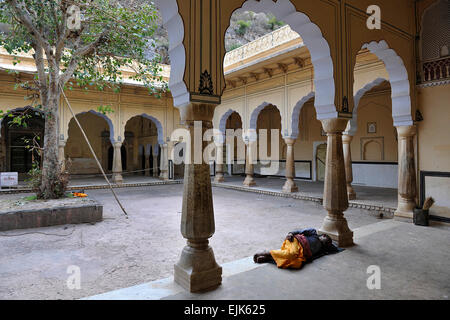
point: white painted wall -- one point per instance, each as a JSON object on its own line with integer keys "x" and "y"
{"x": 375, "y": 175}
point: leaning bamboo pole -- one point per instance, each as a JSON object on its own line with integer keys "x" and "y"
{"x": 93, "y": 153}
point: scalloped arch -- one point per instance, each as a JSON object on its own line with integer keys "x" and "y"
{"x": 173, "y": 23}
{"x": 284, "y": 10}
{"x": 398, "y": 78}
{"x": 315, "y": 42}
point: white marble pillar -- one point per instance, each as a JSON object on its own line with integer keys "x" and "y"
{"x": 117, "y": 163}
{"x": 164, "y": 162}
{"x": 406, "y": 173}
{"x": 219, "y": 161}
{"x": 290, "y": 185}
{"x": 250, "y": 148}
{"x": 335, "y": 199}
{"x": 61, "y": 155}
{"x": 347, "y": 141}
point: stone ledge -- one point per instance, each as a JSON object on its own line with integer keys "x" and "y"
{"x": 388, "y": 212}
{"x": 100, "y": 186}
{"x": 87, "y": 211}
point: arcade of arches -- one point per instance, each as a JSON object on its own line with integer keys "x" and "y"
{"x": 365, "y": 110}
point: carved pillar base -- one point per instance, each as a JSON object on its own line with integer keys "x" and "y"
{"x": 290, "y": 186}
{"x": 404, "y": 211}
{"x": 335, "y": 225}
{"x": 197, "y": 270}
{"x": 249, "y": 181}
{"x": 219, "y": 178}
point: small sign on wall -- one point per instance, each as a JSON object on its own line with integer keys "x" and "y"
{"x": 371, "y": 127}
{"x": 9, "y": 179}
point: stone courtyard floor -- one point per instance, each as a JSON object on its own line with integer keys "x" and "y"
{"x": 130, "y": 253}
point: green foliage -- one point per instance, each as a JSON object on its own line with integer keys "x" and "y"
{"x": 242, "y": 27}
{"x": 234, "y": 46}
{"x": 19, "y": 118}
{"x": 107, "y": 43}
{"x": 116, "y": 36}
{"x": 107, "y": 109}
{"x": 59, "y": 185}
{"x": 30, "y": 198}
{"x": 274, "y": 22}
{"x": 35, "y": 178}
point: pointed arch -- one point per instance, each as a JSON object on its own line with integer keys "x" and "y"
{"x": 159, "y": 127}
{"x": 224, "y": 119}
{"x": 296, "y": 114}
{"x": 18, "y": 110}
{"x": 352, "y": 126}
{"x": 101, "y": 115}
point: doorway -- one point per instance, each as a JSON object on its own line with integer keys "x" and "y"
{"x": 321, "y": 156}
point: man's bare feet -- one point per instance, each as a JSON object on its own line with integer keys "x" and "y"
{"x": 262, "y": 257}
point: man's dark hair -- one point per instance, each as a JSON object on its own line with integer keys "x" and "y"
{"x": 328, "y": 245}
{"x": 327, "y": 241}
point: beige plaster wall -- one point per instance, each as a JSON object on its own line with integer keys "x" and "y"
{"x": 375, "y": 108}
{"x": 434, "y": 130}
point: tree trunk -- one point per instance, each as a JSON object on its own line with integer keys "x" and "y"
{"x": 52, "y": 187}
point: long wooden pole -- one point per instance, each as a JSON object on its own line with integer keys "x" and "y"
{"x": 93, "y": 153}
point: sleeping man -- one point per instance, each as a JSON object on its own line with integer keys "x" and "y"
{"x": 299, "y": 247}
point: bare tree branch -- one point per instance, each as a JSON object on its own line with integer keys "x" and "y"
{"x": 40, "y": 66}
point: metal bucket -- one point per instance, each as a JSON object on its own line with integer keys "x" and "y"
{"x": 421, "y": 217}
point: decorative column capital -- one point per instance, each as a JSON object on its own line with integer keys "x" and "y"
{"x": 406, "y": 131}
{"x": 333, "y": 126}
{"x": 117, "y": 144}
{"x": 197, "y": 112}
{"x": 289, "y": 141}
{"x": 346, "y": 138}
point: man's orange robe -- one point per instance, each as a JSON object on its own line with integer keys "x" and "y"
{"x": 290, "y": 255}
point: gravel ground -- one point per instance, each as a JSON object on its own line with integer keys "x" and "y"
{"x": 119, "y": 252}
